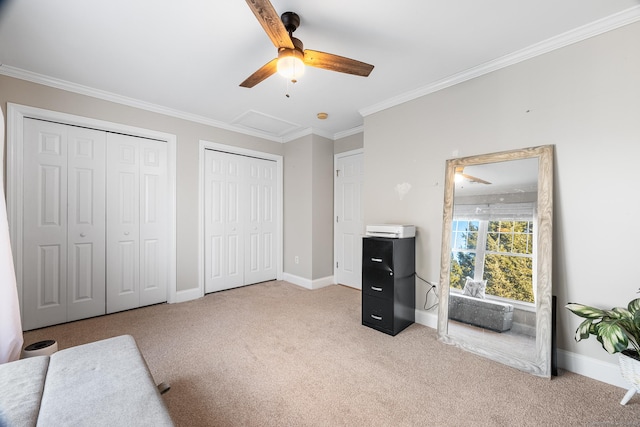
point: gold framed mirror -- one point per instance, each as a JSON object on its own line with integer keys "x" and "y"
{"x": 495, "y": 275}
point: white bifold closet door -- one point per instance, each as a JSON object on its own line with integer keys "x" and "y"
{"x": 240, "y": 220}
{"x": 95, "y": 231}
{"x": 64, "y": 223}
{"x": 137, "y": 267}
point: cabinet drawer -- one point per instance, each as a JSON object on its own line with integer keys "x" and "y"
{"x": 377, "y": 253}
{"x": 377, "y": 312}
{"x": 377, "y": 282}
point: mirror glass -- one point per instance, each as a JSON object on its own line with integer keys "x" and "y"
{"x": 495, "y": 293}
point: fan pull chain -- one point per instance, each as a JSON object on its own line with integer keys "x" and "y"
{"x": 292, "y": 81}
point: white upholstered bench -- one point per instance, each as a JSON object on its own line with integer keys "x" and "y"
{"x": 104, "y": 383}
{"x": 488, "y": 314}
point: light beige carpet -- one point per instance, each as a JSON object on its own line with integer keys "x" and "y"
{"x": 275, "y": 354}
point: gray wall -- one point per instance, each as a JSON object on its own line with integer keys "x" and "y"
{"x": 308, "y": 207}
{"x": 322, "y": 207}
{"x": 584, "y": 99}
{"x": 348, "y": 143}
{"x": 297, "y": 207}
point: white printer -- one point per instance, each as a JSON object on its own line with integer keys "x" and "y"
{"x": 393, "y": 231}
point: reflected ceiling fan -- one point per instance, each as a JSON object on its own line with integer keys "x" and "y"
{"x": 460, "y": 173}
{"x": 292, "y": 57}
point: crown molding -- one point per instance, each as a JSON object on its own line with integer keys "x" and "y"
{"x": 353, "y": 131}
{"x": 584, "y": 32}
{"x": 21, "y": 74}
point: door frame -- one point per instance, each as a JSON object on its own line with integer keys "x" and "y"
{"x": 16, "y": 114}
{"x": 230, "y": 149}
{"x": 336, "y": 158}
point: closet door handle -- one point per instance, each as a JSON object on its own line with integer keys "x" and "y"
{"x": 82, "y": 234}
{"x": 126, "y": 233}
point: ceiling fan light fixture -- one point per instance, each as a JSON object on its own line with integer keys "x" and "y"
{"x": 291, "y": 54}
{"x": 290, "y": 64}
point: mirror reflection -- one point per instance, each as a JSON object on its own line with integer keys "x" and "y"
{"x": 491, "y": 266}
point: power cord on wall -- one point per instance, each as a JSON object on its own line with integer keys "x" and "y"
{"x": 432, "y": 287}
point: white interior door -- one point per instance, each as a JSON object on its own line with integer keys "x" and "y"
{"x": 223, "y": 224}
{"x": 86, "y": 223}
{"x": 63, "y": 228}
{"x": 59, "y": 206}
{"x": 154, "y": 249}
{"x": 349, "y": 226}
{"x": 239, "y": 220}
{"x": 45, "y": 224}
{"x": 123, "y": 223}
{"x": 137, "y": 236}
{"x": 261, "y": 226}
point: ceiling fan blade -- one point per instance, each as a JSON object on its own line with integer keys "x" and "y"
{"x": 271, "y": 23}
{"x": 460, "y": 171}
{"x": 265, "y": 71}
{"x": 474, "y": 179}
{"x": 332, "y": 62}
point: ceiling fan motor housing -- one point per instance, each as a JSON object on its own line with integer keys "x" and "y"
{"x": 291, "y": 21}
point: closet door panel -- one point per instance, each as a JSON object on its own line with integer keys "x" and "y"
{"x": 86, "y": 223}
{"x": 233, "y": 227}
{"x": 44, "y": 247}
{"x": 260, "y": 221}
{"x": 215, "y": 190}
{"x": 224, "y": 263}
{"x": 153, "y": 222}
{"x": 123, "y": 223}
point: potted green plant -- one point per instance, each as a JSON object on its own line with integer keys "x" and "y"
{"x": 618, "y": 330}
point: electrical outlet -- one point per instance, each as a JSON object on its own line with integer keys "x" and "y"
{"x": 296, "y": 259}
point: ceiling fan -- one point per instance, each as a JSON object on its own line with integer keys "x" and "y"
{"x": 292, "y": 57}
{"x": 460, "y": 173}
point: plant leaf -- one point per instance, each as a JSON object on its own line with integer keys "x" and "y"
{"x": 619, "y": 313}
{"x": 612, "y": 337}
{"x": 634, "y": 329}
{"x": 634, "y": 306}
{"x": 585, "y": 311}
{"x": 584, "y": 329}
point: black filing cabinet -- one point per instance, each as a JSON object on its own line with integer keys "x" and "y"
{"x": 388, "y": 285}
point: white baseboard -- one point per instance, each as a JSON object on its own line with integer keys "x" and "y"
{"x": 593, "y": 368}
{"x": 308, "y": 283}
{"x": 187, "y": 295}
{"x": 587, "y": 366}
{"x": 427, "y": 319}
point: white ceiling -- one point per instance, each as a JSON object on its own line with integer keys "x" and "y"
{"x": 509, "y": 177}
{"x": 186, "y": 58}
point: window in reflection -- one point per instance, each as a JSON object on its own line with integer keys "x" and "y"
{"x": 498, "y": 251}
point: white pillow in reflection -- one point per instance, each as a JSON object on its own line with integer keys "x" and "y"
{"x": 474, "y": 288}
